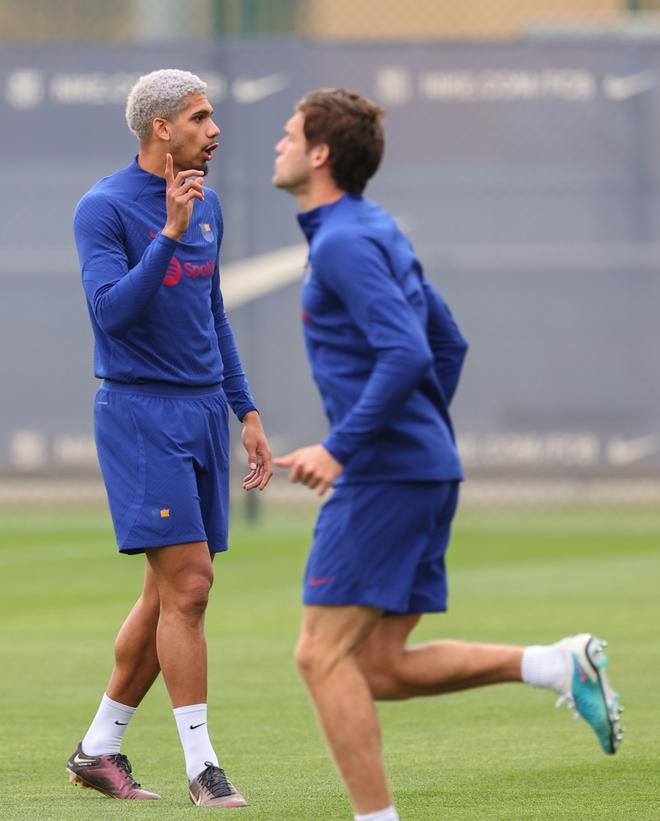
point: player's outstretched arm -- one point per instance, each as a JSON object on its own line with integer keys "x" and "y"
{"x": 355, "y": 269}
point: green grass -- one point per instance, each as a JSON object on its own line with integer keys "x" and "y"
{"x": 500, "y": 753}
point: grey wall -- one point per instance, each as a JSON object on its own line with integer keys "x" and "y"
{"x": 527, "y": 175}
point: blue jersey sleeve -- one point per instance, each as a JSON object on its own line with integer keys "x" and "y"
{"x": 356, "y": 270}
{"x": 117, "y": 296}
{"x": 448, "y": 345}
{"x": 234, "y": 381}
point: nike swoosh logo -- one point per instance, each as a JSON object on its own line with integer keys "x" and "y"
{"x": 629, "y": 85}
{"x": 316, "y": 582}
{"x": 195, "y": 726}
{"x": 627, "y": 451}
{"x": 121, "y": 723}
{"x": 82, "y": 761}
{"x": 247, "y": 91}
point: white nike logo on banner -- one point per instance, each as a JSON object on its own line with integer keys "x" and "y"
{"x": 629, "y": 85}
{"x": 248, "y": 91}
{"x": 627, "y": 451}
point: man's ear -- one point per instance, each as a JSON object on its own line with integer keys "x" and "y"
{"x": 162, "y": 129}
{"x": 319, "y": 155}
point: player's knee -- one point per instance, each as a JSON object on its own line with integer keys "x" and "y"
{"x": 196, "y": 596}
{"x": 312, "y": 659}
{"x": 304, "y": 657}
{"x": 191, "y": 597}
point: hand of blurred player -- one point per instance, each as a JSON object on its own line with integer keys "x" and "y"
{"x": 313, "y": 466}
{"x": 259, "y": 456}
{"x": 180, "y": 195}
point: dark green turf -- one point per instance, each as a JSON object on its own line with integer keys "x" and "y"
{"x": 501, "y": 753}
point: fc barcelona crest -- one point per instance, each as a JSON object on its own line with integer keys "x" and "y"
{"x": 207, "y": 232}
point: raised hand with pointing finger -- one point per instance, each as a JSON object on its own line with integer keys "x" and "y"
{"x": 181, "y": 191}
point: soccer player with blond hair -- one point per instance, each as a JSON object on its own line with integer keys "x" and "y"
{"x": 148, "y": 239}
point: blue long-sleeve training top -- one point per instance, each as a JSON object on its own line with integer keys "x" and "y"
{"x": 384, "y": 349}
{"x": 155, "y": 303}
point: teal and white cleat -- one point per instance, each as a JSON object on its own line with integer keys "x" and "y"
{"x": 587, "y": 691}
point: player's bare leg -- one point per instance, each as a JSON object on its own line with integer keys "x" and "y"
{"x": 183, "y": 575}
{"x": 395, "y": 671}
{"x": 97, "y": 762}
{"x": 136, "y": 658}
{"x": 326, "y": 659}
{"x": 574, "y": 668}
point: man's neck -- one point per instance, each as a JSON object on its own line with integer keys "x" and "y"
{"x": 317, "y": 195}
{"x": 152, "y": 161}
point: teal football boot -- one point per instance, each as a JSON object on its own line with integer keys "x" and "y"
{"x": 587, "y": 691}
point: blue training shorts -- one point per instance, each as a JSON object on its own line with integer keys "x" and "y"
{"x": 383, "y": 545}
{"x": 164, "y": 455}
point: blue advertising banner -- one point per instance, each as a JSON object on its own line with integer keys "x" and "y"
{"x": 528, "y": 177}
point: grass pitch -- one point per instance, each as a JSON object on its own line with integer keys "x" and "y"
{"x": 500, "y": 753}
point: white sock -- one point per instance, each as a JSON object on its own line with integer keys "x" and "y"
{"x": 388, "y": 814}
{"x": 544, "y": 666}
{"x": 194, "y": 735}
{"x": 108, "y": 727}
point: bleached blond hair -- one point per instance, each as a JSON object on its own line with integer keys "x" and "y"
{"x": 162, "y": 93}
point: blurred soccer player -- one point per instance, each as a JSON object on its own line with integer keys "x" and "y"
{"x": 386, "y": 356}
{"x": 148, "y": 238}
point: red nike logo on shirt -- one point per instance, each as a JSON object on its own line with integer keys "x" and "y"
{"x": 316, "y": 582}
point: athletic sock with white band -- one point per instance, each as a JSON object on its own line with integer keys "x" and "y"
{"x": 193, "y": 730}
{"x": 544, "y": 666}
{"x": 108, "y": 727}
{"x": 388, "y": 814}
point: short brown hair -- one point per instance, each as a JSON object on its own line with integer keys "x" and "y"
{"x": 352, "y": 128}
